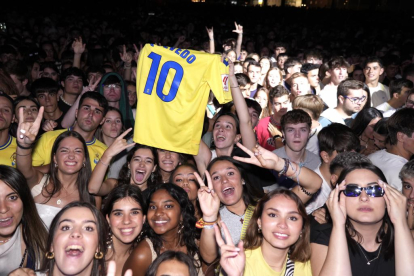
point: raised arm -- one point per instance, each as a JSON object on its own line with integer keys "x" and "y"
{"x": 180, "y": 40}
{"x": 246, "y": 129}
{"x": 78, "y": 49}
{"x": 25, "y": 139}
{"x": 239, "y": 30}
{"x": 209, "y": 204}
{"x": 309, "y": 182}
{"x": 337, "y": 260}
{"x": 70, "y": 117}
{"x": 97, "y": 185}
{"x": 210, "y": 33}
{"x": 203, "y": 157}
{"x": 403, "y": 240}
{"x": 127, "y": 59}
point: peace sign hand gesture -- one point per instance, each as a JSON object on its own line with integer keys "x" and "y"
{"x": 233, "y": 258}
{"x": 27, "y": 131}
{"x": 239, "y": 28}
{"x": 208, "y": 199}
{"x": 261, "y": 158}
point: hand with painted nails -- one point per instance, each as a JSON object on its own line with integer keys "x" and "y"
{"x": 336, "y": 205}
{"x": 208, "y": 199}
{"x": 233, "y": 258}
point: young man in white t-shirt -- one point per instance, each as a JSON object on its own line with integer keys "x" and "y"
{"x": 338, "y": 69}
{"x": 373, "y": 68}
{"x": 400, "y": 146}
{"x": 398, "y": 93}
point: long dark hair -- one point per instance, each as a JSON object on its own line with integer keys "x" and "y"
{"x": 120, "y": 192}
{"x": 98, "y": 267}
{"x": 251, "y": 194}
{"x": 83, "y": 175}
{"x": 299, "y": 251}
{"x": 363, "y": 118}
{"x": 125, "y": 174}
{"x": 34, "y": 231}
{"x": 188, "y": 234}
{"x": 386, "y": 232}
{"x": 172, "y": 255}
{"x": 99, "y": 132}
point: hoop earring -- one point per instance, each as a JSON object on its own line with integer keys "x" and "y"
{"x": 99, "y": 255}
{"x": 50, "y": 255}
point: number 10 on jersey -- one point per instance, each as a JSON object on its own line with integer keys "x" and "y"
{"x": 165, "y": 69}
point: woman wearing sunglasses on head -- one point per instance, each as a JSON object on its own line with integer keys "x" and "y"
{"x": 369, "y": 234}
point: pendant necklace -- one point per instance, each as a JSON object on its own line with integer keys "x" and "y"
{"x": 369, "y": 261}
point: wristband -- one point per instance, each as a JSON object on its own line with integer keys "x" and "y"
{"x": 103, "y": 163}
{"x": 277, "y": 136}
{"x": 20, "y": 146}
{"x": 204, "y": 224}
{"x": 285, "y": 168}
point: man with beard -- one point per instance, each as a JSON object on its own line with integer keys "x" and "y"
{"x": 350, "y": 99}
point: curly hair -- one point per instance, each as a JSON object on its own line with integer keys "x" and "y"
{"x": 189, "y": 234}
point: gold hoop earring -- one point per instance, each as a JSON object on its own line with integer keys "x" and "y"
{"x": 99, "y": 255}
{"x": 50, "y": 255}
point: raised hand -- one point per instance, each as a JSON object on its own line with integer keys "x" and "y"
{"x": 320, "y": 215}
{"x": 336, "y": 207}
{"x": 396, "y": 203}
{"x": 27, "y": 131}
{"x": 273, "y": 130}
{"x": 92, "y": 84}
{"x": 136, "y": 54}
{"x": 261, "y": 158}
{"x": 233, "y": 258}
{"x": 112, "y": 270}
{"x": 239, "y": 28}
{"x": 118, "y": 145}
{"x": 77, "y": 46}
{"x": 126, "y": 57}
{"x": 181, "y": 39}
{"x": 210, "y": 33}
{"x": 410, "y": 216}
{"x": 49, "y": 125}
{"x": 208, "y": 199}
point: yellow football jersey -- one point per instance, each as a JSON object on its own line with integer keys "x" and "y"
{"x": 43, "y": 149}
{"x": 8, "y": 152}
{"x": 173, "y": 86}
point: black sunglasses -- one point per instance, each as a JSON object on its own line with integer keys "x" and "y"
{"x": 353, "y": 190}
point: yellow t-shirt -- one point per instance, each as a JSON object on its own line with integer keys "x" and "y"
{"x": 173, "y": 86}
{"x": 8, "y": 152}
{"x": 257, "y": 266}
{"x": 43, "y": 149}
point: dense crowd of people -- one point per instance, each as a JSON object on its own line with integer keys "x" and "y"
{"x": 306, "y": 171}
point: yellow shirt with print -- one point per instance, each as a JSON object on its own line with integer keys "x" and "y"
{"x": 8, "y": 152}
{"x": 257, "y": 266}
{"x": 43, "y": 149}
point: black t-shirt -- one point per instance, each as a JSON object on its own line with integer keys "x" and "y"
{"x": 64, "y": 107}
{"x": 321, "y": 233}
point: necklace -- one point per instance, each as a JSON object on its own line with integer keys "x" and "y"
{"x": 369, "y": 261}
{"x": 63, "y": 100}
{"x": 59, "y": 201}
{"x": 6, "y": 240}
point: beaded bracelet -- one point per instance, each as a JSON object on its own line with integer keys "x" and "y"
{"x": 285, "y": 168}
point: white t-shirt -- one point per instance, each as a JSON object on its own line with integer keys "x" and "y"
{"x": 332, "y": 115}
{"x": 329, "y": 95}
{"x": 319, "y": 199}
{"x": 390, "y": 165}
{"x": 313, "y": 143}
{"x": 384, "y": 107}
{"x": 379, "y": 94}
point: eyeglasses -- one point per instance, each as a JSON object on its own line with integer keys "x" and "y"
{"x": 353, "y": 190}
{"x": 356, "y": 100}
{"x": 115, "y": 85}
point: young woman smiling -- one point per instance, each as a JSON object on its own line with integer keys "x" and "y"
{"x": 124, "y": 211}
{"x": 277, "y": 239}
